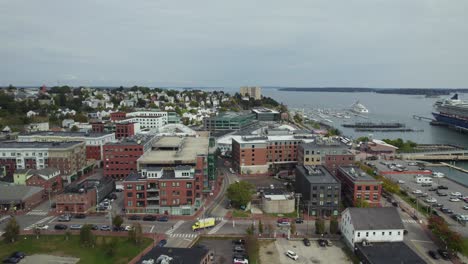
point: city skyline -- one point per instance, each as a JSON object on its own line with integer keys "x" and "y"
{"x": 306, "y": 44}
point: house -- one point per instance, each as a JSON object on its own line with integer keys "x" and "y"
{"x": 387, "y": 253}
{"x": 195, "y": 255}
{"x": 127, "y": 103}
{"x": 67, "y": 123}
{"x": 47, "y": 178}
{"x": 31, "y": 113}
{"x": 43, "y": 126}
{"x": 20, "y": 197}
{"x": 376, "y": 224}
{"x": 379, "y": 147}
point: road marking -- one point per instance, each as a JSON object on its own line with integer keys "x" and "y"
{"x": 185, "y": 236}
{"x": 151, "y": 230}
{"x": 38, "y": 222}
{"x": 409, "y": 221}
{"x": 217, "y": 227}
{"x": 53, "y": 219}
{"x": 37, "y": 212}
{"x": 170, "y": 231}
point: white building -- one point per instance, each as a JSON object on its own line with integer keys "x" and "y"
{"x": 377, "y": 224}
{"x": 43, "y": 126}
{"x": 31, "y": 113}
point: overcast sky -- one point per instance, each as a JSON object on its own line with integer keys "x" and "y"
{"x": 370, "y": 43}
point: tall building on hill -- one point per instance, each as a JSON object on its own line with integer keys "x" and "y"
{"x": 254, "y": 92}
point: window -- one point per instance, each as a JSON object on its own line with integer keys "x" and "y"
{"x": 129, "y": 203}
{"x": 189, "y": 185}
{"x": 367, "y": 234}
{"x": 376, "y": 188}
{"x": 129, "y": 194}
{"x": 358, "y": 234}
{"x": 383, "y": 233}
{"x": 390, "y": 233}
{"x": 359, "y": 188}
{"x": 399, "y": 232}
{"x": 129, "y": 186}
{"x": 367, "y": 188}
{"x": 373, "y": 233}
{"x": 163, "y": 184}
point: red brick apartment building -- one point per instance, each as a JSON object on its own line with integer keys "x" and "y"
{"x": 126, "y": 129}
{"x": 117, "y": 116}
{"x": 120, "y": 158}
{"x": 97, "y": 127}
{"x": 94, "y": 141}
{"x": 170, "y": 178}
{"x": 68, "y": 157}
{"x": 356, "y": 184}
{"x": 263, "y": 155}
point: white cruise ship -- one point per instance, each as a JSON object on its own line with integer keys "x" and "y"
{"x": 359, "y": 108}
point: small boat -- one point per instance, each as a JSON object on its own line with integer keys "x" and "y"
{"x": 359, "y": 108}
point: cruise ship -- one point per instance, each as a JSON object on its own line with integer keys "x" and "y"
{"x": 452, "y": 112}
{"x": 359, "y": 108}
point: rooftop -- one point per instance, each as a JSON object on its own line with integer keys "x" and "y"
{"x": 389, "y": 253}
{"x": 383, "y": 143}
{"x": 262, "y": 110}
{"x": 169, "y": 150}
{"x": 375, "y": 218}
{"x": 233, "y": 116}
{"x": 327, "y": 144}
{"x": 265, "y": 139}
{"x": 38, "y": 145}
{"x": 317, "y": 174}
{"x": 178, "y": 255}
{"x": 356, "y": 174}
{"x": 17, "y": 193}
{"x": 139, "y": 139}
{"x": 66, "y": 134}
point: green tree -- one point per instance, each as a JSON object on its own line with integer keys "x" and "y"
{"x": 293, "y": 228}
{"x": 319, "y": 226}
{"x": 74, "y": 128}
{"x": 362, "y": 139}
{"x": 110, "y": 248}
{"x": 250, "y": 230}
{"x": 87, "y": 236}
{"x": 240, "y": 193}
{"x": 117, "y": 221}
{"x": 298, "y": 118}
{"x": 333, "y": 225}
{"x": 260, "y": 227}
{"x": 135, "y": 234}
{"x": 252, "y": 247}
{"x": 11, "y": 230}
{"x": 361, "y": 203}
{"x": 80, "y": 117}
{"x": 67, "y": 235}
{"x": 37, "y": 232}
{"x": 194, "y": 104}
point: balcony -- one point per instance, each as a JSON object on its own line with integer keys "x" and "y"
{"x": 152, "y": 190}
{"x": 152, "y": 198}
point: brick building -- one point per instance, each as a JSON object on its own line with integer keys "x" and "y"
{"x": 321, "y": 191}
{"x": 267, "y": 153}
{"x": 116, "y": 116}
{"x": 68, "y": 157}
{"x": 356, "y": 184}
{"x": 48, "y": 178}
{"x": 170, "y": 178}
{"x": 94, "y": 141}
{"x": 20, "y": 197}
{"x": 97, "y": 127}
{"x": 120, "y": 158}
{"x": 126, "y": 129}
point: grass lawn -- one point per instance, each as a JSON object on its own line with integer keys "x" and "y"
{"x": 240, "y": 213}
{"x": 59, "y": 246}
{"x": 289, "y": 215}
{"x": 464, "y": 249}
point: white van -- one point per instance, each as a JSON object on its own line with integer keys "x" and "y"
{"x": 422, "y": 179}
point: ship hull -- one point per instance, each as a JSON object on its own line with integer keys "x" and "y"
{"x": 451, "y": 121}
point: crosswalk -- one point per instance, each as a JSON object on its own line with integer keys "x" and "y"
{"x": 170, "y": 231}
{"x": 194, "y": 235}
{"x": 37, "y": 212}
{"x": 42, "y": 221}
{"x": 409, "y": 221}
{"x": 217, "y": 227}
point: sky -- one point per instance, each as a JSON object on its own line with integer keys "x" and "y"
{"x": 299, "y": 43}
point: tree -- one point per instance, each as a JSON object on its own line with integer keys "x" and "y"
{"x": 361, "y": 203}
{"x": 240, "y": 193}
{"x": 37, "y": 232}
{"x": 319, "y": 226}
{"x": 250, "y": 230}
{"x": 136, "y": 234}
{"x": 362, "y": 139}
{"x": 110, "y": 248}
{"x": 67, "y": 235}
{"x": 293, "y": 228}
{"x": 74, "y": 128}
{"x": 80, "y": 117}
{"x": 86, "y": 236}
{"x": 271, "y": 228}
{"x": 260, "y": 227}
{"x": 117, "y": 221}
{"x": 252, "y": 247}
{"x": 194, "y": 104}
{"x": 11, "y": 230}
{"x": 333, "y": 225}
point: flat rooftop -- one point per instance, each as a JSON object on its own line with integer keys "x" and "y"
{"x": 317, "y": 174}
{"x": 38, "y": 145}
{"x": 138, "y": 139}
{"x": 65, "y": 134}
{"x": 266, "y": 139}
{"x": 389, "y": 253}
{"x": 356, "y": 174}
{"x": 263, "y": 110}
{"x": 169, "y": 150}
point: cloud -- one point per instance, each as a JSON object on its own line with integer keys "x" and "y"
{"x": 400, "y": 43}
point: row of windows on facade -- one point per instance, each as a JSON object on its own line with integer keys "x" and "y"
{"x": 367, "y": 197}
{"x": 374, "y": 233}
{"x": 27, "y": 154}
{"x": 322, "y": 195}
{"x": 368, "y": 188}
{"x": 321, "y": 187}
{"x": 328, "y": 203}
{"x": 120, "y": 162}
{"x": 122, "y": 149}
{"x": 162, "y": 193}
{"x": 141, "y": 187}
{"x": 163, "y": 202}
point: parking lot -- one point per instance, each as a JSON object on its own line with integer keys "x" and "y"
{"x": 276, "y": 252}
{"x": 222, "y": 249}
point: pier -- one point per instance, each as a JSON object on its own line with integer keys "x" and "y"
{"x": 447, "y": 155}
{"x": 422, "y": 118}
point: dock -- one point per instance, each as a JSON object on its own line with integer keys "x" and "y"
{"x": 423, "y": 118}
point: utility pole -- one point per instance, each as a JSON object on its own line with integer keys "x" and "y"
{"x": 298, "y": 198}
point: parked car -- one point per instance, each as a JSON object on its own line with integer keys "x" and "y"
{"x": 238, "y": 242}
{"x": 60, "y": 227}
{"x": 292, "y": 255}
{"x": 465, "y": 207}
{"x": 426, "y": 185}
{"x": 401, "y": 181}
{"x": 149, "y": 218}
{"x": 322, "y": 242}
{"x": 95, "y": 227}
{"x": 134, "y": 217}
{"x": 433, "y": 254}
{"x": 306, "y": 242}
{"x": 75, "y": 227}
{"x": 163, "y": 218}
{"x": 446, "y": 211}
{"x": 417, "y": 191}
{"x": 18, "y": 254}
{"x": 438, "y": 205}
{"x": 162, "y": 243}
{"x": 456, "y": 194}
{"x": 112, "y": 196}
{"x": 282, "y": 220}
{"x": 118, "y": 228}
{"x": 444, "y": 254}
{"x": 432, "y": 189}
{"x": 299, "y": 220}
{"x": 441, "y": 193}
{"x": 239, "y": 256}
{"x": 442, "y": 187}
{"x": 238, "y": 249}
{"x": 41, "y": 226}
{"x": 240, "y": 261}
{"x": 11, "y": 260}
{"x": 80, "y": 216}
{"x": 128, "y": 228}
{"x": 431, "y": 200}
{"x": 105, "y": 228}
{"x": 453, "y": 199}
{"x": 63, "y": 218}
